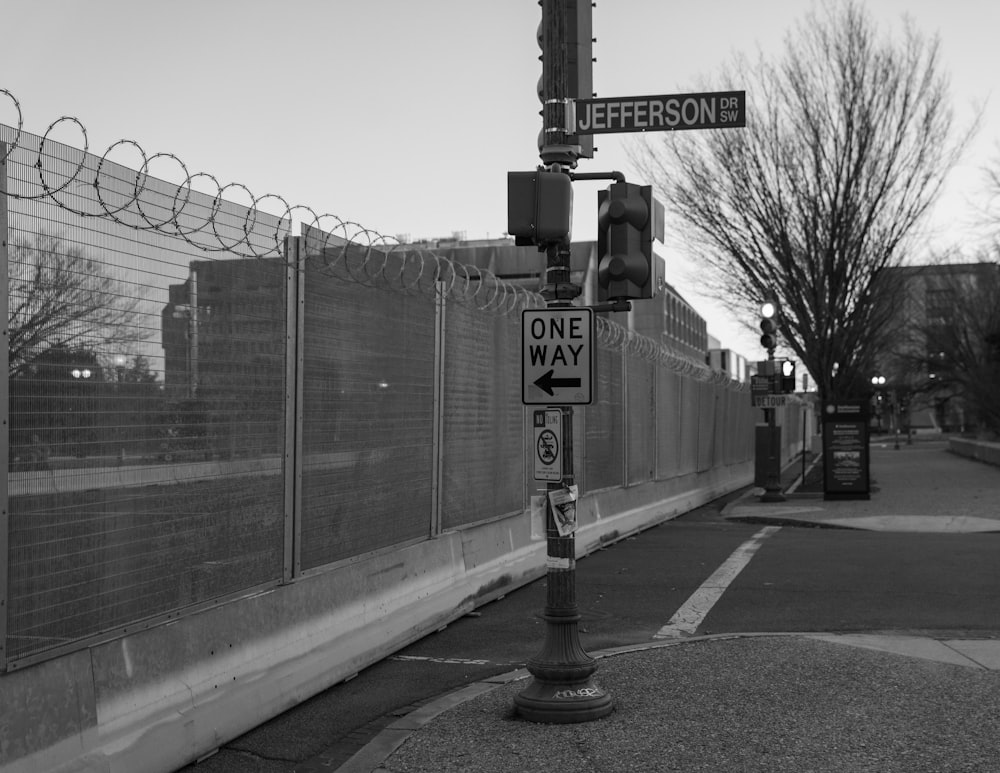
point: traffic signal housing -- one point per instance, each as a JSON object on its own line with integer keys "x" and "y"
{"x": 539, "y": 207}
{"x": 788, "y": 376}
{"x": 769, "y": 325}
{"x": 577, "y": 61}
{"x": 625, "y": 270}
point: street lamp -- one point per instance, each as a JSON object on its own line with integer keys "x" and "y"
{"x": 769, "y": 340}
{"x": 877, "y": 381}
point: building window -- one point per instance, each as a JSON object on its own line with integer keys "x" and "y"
{"x": 940, "y": 305}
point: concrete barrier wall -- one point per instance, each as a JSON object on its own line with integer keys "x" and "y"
{"x": 157, "y": 699}
{"x": 980, "y": 450}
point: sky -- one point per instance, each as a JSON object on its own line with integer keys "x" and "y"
{"x": 405, "y": 116}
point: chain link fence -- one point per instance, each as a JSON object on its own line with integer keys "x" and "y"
{"x": 201, "y": 406}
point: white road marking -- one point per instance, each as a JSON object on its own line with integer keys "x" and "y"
{"x": 687, "y": 619}
{"x": 454, "y": 661}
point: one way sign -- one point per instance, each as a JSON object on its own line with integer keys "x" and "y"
{"x": 557, "y": 356}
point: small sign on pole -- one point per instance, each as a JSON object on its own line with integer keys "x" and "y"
{"x": 557, "y": 356}
{"x": 548, "y": 444}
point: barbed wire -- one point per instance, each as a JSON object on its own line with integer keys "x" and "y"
{"x": 20, "y": 123}
{"x": 357, "y": 253}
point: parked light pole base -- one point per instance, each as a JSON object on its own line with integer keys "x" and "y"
{"x": 563, "y": 690}
{"x": 772, "y": 476}
{"x": 773, "y": 496}
{"x": 563, "y": 703}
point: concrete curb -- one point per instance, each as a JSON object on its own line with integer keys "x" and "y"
{"x": 972, "y": 653}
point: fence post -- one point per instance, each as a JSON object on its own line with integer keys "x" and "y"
{"x": 5, "y": 403}
{"x": 437, "y": 420}
{"x": 294, "y": 378}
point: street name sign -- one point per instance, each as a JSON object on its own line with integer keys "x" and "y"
{"x": 769, "y": 401}
{"x": 667, "y": 112}
{"x": 557, "y": 356}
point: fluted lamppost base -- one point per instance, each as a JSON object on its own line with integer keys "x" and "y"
{"x": 563, "y": 689}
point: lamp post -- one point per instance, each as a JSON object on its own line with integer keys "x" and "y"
{"x": 562, "y": 689}
{"x": 769, "y": 340}
{"x": 80, "y": 404}
{"x": 877, "y": 383}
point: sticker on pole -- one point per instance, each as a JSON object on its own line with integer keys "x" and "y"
{"x": 548, "y": 449}
{"x": 557, "y": 356}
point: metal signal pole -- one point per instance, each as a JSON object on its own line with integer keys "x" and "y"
{"x": 562, "y": 689}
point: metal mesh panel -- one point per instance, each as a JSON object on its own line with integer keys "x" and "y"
{"x": 723, "y": 424}
{"x": 605, "y": 445}
{"x": 707, "y": 419}
{"x": 641, "y": 425}
{"x": 145, "y": 451}
{"x": 689, "y": 418}
{"x": 748, "y": 418}
{"x": 482, "y": 438}
{"x": 668, "y": 431}
{"x": 725, "y": 427}
{"x": 740, "y": 439}
{"x": 712, "y": 422}
{"x": 368, "y": 398}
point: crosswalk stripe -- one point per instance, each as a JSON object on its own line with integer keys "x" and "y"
{"x": 687, "y": 619}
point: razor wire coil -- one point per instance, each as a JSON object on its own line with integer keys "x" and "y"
{"x": 360, "y": 255}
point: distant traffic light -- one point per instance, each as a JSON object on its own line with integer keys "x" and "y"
{"x": 788, "y": 376}
{"x": 625, "y": 242}
{"x": 769, "y": 325}
{"x": 539, "y": 207}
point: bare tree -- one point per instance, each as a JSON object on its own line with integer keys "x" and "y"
{"x": 847, "y": 143}
{"x": 992, "y": 207}
{"x": 61, "y": 297}
{"x": 951, "y": 355}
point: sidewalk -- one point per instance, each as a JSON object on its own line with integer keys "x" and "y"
{"x": 768, "y": 703}
{"x": 758, "y": 702}
{"x": 919, "y": 487}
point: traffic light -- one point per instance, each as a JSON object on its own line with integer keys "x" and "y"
{"x": 578, "y": 61}
{"x": 625, "y": 242}
{"x": 539, "y": 207}
{"x": 769, "y": 325}
{"x": 788, "y": 376}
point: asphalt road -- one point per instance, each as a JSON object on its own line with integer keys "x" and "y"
{"x": 800, "y": 579}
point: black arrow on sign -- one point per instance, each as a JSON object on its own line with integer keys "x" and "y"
{"x": 547, "y": 382}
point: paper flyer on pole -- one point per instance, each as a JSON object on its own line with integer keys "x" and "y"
{"x": 563, "y": 503}
{"x": 538, "y": 518}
